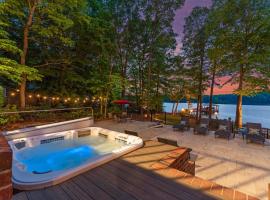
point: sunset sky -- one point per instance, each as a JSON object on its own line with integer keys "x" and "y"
{"x": 179, "y": 26}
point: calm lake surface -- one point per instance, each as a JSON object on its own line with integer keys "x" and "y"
{"x": 260, "y": 114}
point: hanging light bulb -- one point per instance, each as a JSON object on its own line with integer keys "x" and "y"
{"x": 12, "y": 94}
{"x": 30, "y": 96}
{"x": 45, "y": 97}
{"x": 38, "y": 95}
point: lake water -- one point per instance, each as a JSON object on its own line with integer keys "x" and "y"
{"x": 259, "y": 114}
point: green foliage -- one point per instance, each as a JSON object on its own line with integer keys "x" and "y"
{"x": 6, "y": 119}
{"x": 243, "y": 29}
{"x": 8, "y": 66}
{"x": 1, "y": 96}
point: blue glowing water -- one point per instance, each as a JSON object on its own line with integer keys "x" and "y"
{"x": 65, "y": 154}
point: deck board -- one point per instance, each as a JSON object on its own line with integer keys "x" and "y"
{"x": 130, "y": 177}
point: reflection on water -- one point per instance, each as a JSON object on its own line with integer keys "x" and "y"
{"x": 259, "y": 114}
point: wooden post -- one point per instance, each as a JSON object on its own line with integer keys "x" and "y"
{"x": 165, "y": 118}
{"x": 269, "y": 191}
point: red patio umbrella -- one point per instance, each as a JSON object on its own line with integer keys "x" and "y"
{"x": 121, "y": 102}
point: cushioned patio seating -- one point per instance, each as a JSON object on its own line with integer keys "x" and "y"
{"x": 255, "y": 134}
{"x": 202, "y": 128}
{"x": 224, "y": 130}
{"x": 182, "y": 126}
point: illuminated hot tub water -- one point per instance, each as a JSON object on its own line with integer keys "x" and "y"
{"x": 45, "y": 160}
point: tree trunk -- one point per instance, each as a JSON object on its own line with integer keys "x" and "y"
{"x": 24, "y": 54}
{"x": 197, "y": 109}
{"x": 212, "y": 92}
{"x": 176, "y": 107}
{"x": 238, "y": 116}
{"x": 108, "y": 90}
{"x": 173, "y": 107}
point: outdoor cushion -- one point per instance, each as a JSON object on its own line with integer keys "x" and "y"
{"x": 203, "y": 125}
{"x": 253, "y": 131}
{"x": 223, "y": 127}
{"x": 183, "y": 122}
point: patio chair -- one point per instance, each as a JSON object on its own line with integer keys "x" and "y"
{"x": 167, "y": 141}
{"x": 182, "y": 126}
{"x": 202, "y": 128}
{"x": 254, "y": 133}
{"x": 134, "y": 133}
{"x": 224, "y": 130}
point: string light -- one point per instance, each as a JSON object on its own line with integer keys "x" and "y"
{"x": 75, "y": 100}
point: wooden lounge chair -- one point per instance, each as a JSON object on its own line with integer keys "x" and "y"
{"x": 202, "y": 128}
{"x": 182, "y": 126}
{"x": 134, "y": 133}
{"x": 224, "y": 130}
{"x": 168, "y": 141}
{"x": 156, "y": 125}
{"x": 254, "y": 133}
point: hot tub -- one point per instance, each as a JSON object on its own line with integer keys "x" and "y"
{"x": 45, "y": 160}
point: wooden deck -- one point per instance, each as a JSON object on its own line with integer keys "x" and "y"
{"x": 133, "y": 177}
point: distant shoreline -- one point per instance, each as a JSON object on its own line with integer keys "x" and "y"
{"x": 262, "y": 99}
